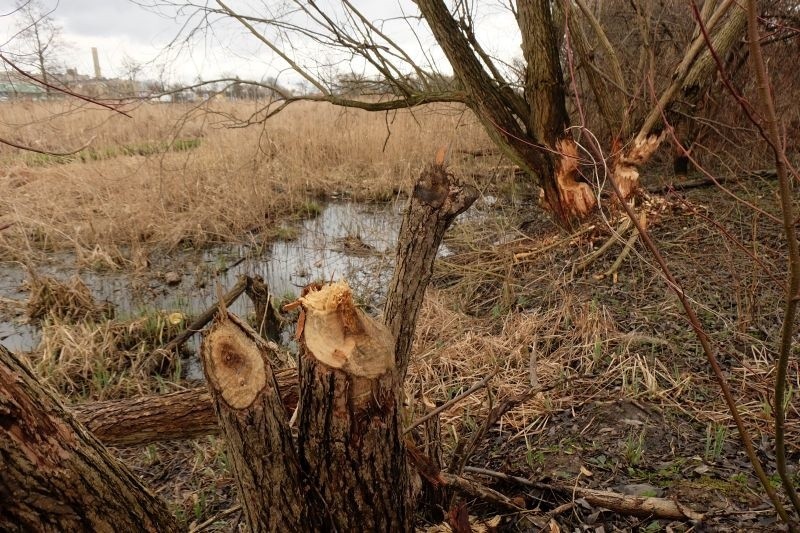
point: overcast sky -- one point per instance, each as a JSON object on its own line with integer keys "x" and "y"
{"x": 121, "y": 29}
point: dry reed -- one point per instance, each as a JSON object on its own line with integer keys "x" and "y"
{"x": 179, "y": 174}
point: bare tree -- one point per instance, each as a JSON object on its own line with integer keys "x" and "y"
{"x": 37, "y": 41}
{"x": 528, "y": 115}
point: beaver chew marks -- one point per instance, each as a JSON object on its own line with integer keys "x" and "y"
{"x": 341, "y": 336}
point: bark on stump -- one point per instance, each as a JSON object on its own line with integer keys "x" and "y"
{"x": 348, "y": 471}
{"x": 236, "y": 361}
{"x": 55, "y": 475}
{"x": 435, "y": 203}
{"x": 350, "y": 431}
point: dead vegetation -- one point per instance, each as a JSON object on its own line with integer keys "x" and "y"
{"x": 628, "y": 399}
{"x": 224, "y": 183}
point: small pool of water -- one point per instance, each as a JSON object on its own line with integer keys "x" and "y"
{"x": 346, "y": 241}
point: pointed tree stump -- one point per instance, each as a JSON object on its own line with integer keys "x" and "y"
{"x": 55, "y": 475}
{"x": 350, "y": 433}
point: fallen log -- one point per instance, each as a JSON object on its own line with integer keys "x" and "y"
{"x": 183, "y": 414}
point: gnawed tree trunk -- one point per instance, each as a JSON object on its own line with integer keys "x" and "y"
{"x": 185, "y": 414}
{"x": 55, "y": 475}
{"x": 530, "y": 130}
{"x": 692, "y": 79}
{"x": 563, "y": 194}
{"x": 236, "y": 361}
{"x": 350, "y": 430}
{"x": 348, "y": 471}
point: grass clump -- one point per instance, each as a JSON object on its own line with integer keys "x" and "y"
{"x": 69, "y": 301}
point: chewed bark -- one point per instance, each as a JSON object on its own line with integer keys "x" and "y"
{"x": 626, "y": 167}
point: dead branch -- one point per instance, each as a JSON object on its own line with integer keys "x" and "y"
{"x": 643, "y": 506}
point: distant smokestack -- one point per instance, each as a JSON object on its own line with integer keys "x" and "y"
{"x": 96, "y": 60}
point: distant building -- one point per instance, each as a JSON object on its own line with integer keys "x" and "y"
{"x": 12, "y": 89}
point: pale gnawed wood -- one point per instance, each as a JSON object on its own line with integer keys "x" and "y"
{"x": 576, "y": 197}
{"x": 55, "y": 475}
{"x": 253, "y": 421}
{"x": 349, "y": 429}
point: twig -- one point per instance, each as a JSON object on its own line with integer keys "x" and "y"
{"x": 45, "y": 152}
{"x": 203, "y": 525}
{"x": 771, "y": 134}
{"x": 460, "y": 458}
{"x": 523, "y": 255}
{"x": 479, "y": 385}
{"x": 478, "y": 490}
{"x": 626, "y": 250}
{"x": 201, "y": 321}
{"x": 615, "y": 237}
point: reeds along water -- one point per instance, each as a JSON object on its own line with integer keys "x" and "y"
{"x": 177, "y": 173}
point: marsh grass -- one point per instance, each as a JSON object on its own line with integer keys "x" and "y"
{"x": 180, "y": 175}
{"x": 85, "y": 353}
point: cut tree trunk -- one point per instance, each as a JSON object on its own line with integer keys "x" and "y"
{"x": 435, "y": 203}
{"x": 55, "y": 475}
{"x": 348, "y": 471}
{"x": 236, "y": 361}
{"x": 350, "y": 431}
{"x": 185, "y": 414}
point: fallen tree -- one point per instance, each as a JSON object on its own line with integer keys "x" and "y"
{"x": 185, "y": 414}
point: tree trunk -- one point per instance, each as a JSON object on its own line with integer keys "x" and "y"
{"x": 436, "y": 201}
{"x": 236, "y": 361}
{"x": 56, "y": 476}
{"x": 552, "y": 163}
{"x": 548, "y": 120}
{"x": 350, "y": 430}
{"x": 268, "y": 323}
{"x": 185, "y": 414}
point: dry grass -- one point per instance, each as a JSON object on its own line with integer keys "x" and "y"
{"x": 70, "y": 301}
{"x": 178, "y": 174}
{"x": 85, "y": 354}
